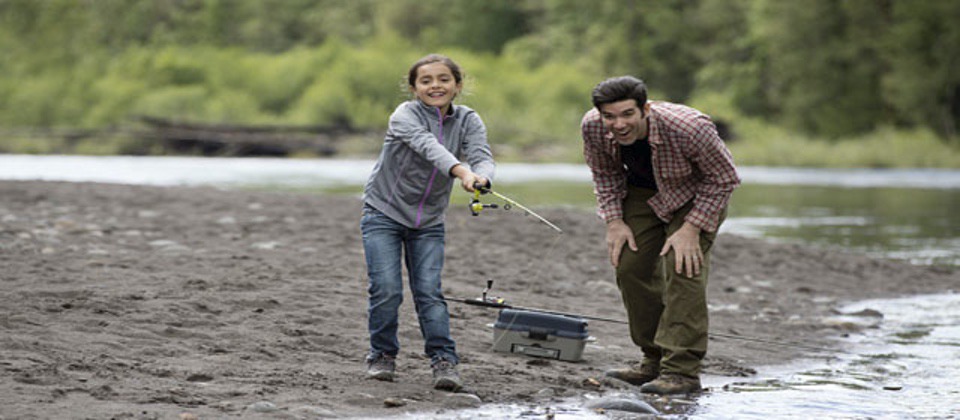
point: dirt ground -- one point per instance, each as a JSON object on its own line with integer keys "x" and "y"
{"x": 150, "y": 302}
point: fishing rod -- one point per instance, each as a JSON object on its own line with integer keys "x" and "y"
{"x": 476, "y": 206}
{"x": 500, "y": 303}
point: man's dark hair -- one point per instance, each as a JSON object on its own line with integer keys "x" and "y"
{"x": 616, "y": 89}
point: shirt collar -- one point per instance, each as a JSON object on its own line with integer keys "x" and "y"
{"x": 653, "y": 129}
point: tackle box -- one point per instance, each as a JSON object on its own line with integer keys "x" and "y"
{"x": 540, "y": 334}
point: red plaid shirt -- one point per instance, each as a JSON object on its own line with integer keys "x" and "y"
{"x": 689, "y": 162}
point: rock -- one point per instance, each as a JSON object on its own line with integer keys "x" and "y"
{"x": 225, "y": 406}
{"x": 621, "y": 403}
{"x": 855, "y": 321}
{"x": 263, "y": 407}
{"x": 460, "y": 401}
{"x": 188, "y": 416}
{"x": 199, "y": 377}
{"x": 103, "y": 392}
{"x": 168, "y": 245}
{"x": 361, "y": 399}
{"x": 612, "y": 383}
{"x": 840, "y": 324}
{"x": 313, "y": 412}
{"x": 226, "y": 220}
{"x": 163, "y": 243}
{"x": 147, "y": 214}
{"x": 394, "y": 402}
{"x": 870, "y": 313}
{"x": 265, "y": 245}
{"x": 546, "y": 393}
{"x": 590, "y": 383}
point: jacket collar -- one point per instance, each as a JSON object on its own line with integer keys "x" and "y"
{"x": 433, "y": 110}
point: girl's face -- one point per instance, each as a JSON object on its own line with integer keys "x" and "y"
{"x": 436, "y": 86}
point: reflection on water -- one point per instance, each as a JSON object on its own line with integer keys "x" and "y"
{"x": 906, "y": 368}
{"x": 918, "y": 225}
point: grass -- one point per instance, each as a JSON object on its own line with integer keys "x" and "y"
{"x": 884, "y": 148}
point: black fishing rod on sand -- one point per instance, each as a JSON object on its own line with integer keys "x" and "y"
{"x": 500, "y": 303}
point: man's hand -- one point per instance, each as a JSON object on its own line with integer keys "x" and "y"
{"x": 618, "y": 233}
{"x": 686, "y": 246}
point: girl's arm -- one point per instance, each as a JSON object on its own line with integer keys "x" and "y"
{"x": 475, "y": 148}
{"x": 406, "y": 127}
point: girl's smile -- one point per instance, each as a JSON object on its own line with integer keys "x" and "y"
{"x": 436, "y": 86}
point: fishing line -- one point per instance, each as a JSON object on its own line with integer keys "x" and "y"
{"x": 476, "y": 206}
{"x": 499, "y": 303}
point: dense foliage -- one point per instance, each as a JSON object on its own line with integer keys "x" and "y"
{"x": 824, "y": 68}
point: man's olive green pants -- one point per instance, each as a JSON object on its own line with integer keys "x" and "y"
{"x": 667, "y": 311}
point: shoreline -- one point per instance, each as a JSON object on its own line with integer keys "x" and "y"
{"x": 124, "y": 300}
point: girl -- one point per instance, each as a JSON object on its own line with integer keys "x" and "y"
{"x": 403, "y": 205}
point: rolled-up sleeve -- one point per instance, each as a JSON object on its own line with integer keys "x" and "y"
{"x": 609, "y": 178}
{"x": 719, "y": 173}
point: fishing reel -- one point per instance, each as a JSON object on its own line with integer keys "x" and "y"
{"x": 490, "y": 301}
{"x": 475, "y": 205}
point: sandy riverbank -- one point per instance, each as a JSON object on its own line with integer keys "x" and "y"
{"x": 147, "y": 302}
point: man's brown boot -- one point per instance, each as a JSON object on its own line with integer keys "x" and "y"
{"x": 672, "y": 383}
{"x": 634, "y": 376}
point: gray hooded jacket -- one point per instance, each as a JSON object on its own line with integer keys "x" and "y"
{"x": 411, "y": 181}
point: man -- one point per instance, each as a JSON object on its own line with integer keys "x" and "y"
{"x": 663, "y": 178}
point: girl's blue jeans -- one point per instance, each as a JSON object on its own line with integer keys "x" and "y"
{"x": 384, "y": 243}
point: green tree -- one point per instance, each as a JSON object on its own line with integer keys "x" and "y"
{"x": 922, "y": 51}
{"x": 823, "y": 63}
{"x": 733, "y": 62}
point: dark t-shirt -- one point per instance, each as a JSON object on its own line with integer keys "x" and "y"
{"x": 636, "y": 157}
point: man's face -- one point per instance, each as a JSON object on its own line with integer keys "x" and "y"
{"x": 625, "y": 120}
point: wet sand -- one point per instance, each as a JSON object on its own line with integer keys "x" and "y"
{"x": 150, "y": 302}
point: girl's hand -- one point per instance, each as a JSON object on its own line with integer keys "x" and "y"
{"x": 467, "y": 177}
{"x": 470, "y": 179}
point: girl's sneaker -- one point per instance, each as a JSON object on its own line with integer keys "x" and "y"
{"x": 381, "y": 368}
{"x": 445, "y": 376}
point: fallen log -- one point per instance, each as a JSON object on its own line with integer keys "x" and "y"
{"x": 245, "y": 140}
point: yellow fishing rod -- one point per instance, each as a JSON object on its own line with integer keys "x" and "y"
{"x": 476, "y": 206}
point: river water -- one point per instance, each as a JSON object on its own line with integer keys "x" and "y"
{"x": 912, "y": 215}
{"x": 905, "y": 368}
